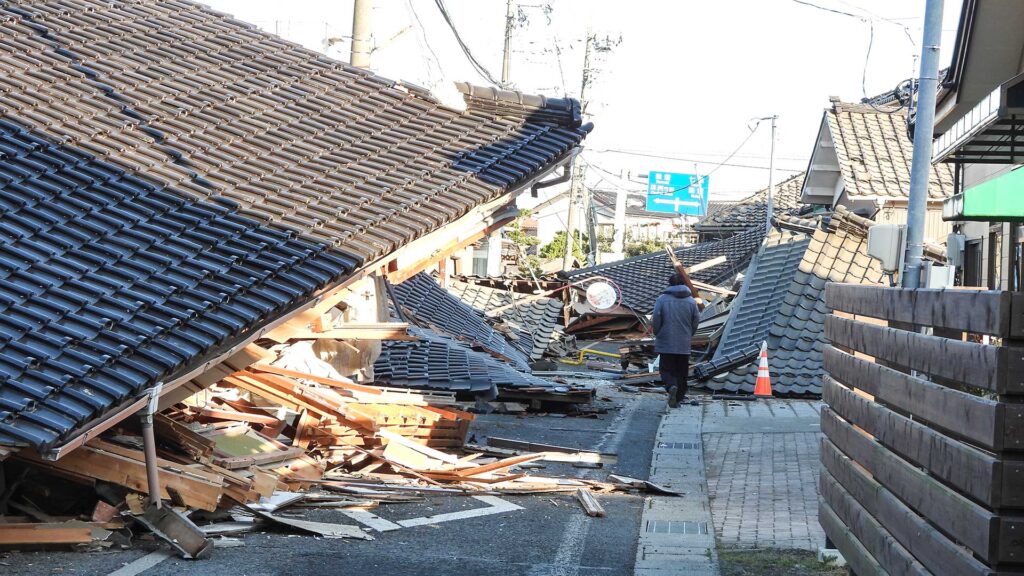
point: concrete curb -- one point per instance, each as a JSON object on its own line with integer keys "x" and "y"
{"x": 677, "y": 536}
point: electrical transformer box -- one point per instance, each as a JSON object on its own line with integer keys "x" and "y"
{"x": 885, "y": 244}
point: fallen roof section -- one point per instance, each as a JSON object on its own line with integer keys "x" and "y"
{"x": 427, "y": 305}
{"x": 752, "y": 211}
{"x": 796, "y": 336}
{"x": 439, "y": 362}
{"x": 535, "y": 322}
{"x": 174, "y": 179}
{"x": 642, "y": 278}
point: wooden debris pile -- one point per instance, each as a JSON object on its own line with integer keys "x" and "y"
{"x": 259, "y": 439}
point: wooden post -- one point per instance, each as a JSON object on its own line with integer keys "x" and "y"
{"x": 681, "y": 270}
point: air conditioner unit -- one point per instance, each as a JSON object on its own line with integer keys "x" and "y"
{"x": 885, "y": 244}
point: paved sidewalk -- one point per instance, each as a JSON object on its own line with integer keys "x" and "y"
{"x": 676, "y": 534}
{"x": 762, "y": 473}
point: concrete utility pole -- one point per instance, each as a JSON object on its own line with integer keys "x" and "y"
{"x": 771, "y": 179}
{"x": 924, "y": 126}
{"x": 361, "y": 30}
{"x": 576, "y": 187}
{"x": 506, "y": 61}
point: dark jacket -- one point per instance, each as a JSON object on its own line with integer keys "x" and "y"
{"x": 675, "y": 319}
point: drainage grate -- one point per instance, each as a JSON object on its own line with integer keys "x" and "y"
{"x": 677, "y": 527}
{"x": 679, "y": 445}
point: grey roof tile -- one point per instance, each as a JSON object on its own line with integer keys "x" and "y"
{"x": 796, "y": 338}
{"x": 642, "y": 278}
{"x": 428, "y": 305}
{"x": 536, "y": 323}
{"x": 752, "y": 210}
{"x": 875, "y": 152}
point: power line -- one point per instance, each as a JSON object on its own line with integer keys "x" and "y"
{"x": 697, "y": 160}
{"x": 465, "y": 49}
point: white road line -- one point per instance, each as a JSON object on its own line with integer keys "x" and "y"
{"x": 142, "y": 564}
{"x": 371, "y": 520}
{"x": 570, "y": 550}
{"x": 497, "y": 506}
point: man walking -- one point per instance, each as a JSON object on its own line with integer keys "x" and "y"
{"x": 676, "y": 317}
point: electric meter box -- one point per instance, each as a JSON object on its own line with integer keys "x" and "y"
{"x": 885, "y": 244}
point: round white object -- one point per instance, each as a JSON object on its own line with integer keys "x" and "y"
{"x": 602, "y": 295}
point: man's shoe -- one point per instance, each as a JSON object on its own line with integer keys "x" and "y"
{"x": 673, "y": 400}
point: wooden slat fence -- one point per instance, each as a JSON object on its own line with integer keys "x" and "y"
{"x": 923, "y": 455}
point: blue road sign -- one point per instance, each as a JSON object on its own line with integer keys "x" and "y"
{"x": 679, "y": 193}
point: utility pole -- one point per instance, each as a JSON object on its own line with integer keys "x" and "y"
{"x": 924, "y": 126}
{"x": 771, "y": 180}
{"x": 506, "y": 61}
{"x": 576, "y": 187}
{"x": 362, "y": 12}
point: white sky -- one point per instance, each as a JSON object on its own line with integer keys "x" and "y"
{"x": 684, "y": 82}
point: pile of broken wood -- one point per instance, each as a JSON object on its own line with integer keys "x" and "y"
{"x": 261, "y": 438}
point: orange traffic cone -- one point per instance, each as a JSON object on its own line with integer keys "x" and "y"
{"x": 763, "y": 386}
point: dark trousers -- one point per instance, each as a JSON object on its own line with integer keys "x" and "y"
{"x": 674, "y": 369}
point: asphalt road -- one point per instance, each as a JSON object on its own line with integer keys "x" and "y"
{"x": 549, "y": 535}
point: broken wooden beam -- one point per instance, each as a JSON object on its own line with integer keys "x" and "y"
{"x": 70, "y": 532}
{"x": 590, "y": 504}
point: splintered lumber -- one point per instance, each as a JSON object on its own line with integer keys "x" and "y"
{"x": 127, "y": 467}
{"x": 466, "y": 473}
{"x": 182, "y": 437}
{"x": 346, "y": 383}
{"x": 713, "y": 288}
{"x": 379, "y": 331}
{"x": 706, "y": 264}
{"x": 590, "y": 504}
{"x": 71, "y": 532}
{"x": 555, "y": 453}
{"x": 317, "y": 528}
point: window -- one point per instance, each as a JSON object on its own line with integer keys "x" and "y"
{"x": 972, "y": 263}
{"x": 995, "y": 257}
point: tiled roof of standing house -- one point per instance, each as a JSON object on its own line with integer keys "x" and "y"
{"x": 752, "y": 210}
{"x": 642, "y": 278}
{"x": 173, "y": 179}
{"x": 875, "y": 152}
{"x": 796, "y": 335}
{"x": 535, "y": 322}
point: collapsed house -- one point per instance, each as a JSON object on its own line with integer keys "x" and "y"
{"x": 200, "y": 218}
{"x": 782, "y": 302}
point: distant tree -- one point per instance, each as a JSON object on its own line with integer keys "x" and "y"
{"x": 525, "y": 261}
{"x": 556, "y": 248}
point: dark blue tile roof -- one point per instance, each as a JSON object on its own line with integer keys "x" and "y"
{"x": 437, "y": 361}
{"x": 642, "y": 278}
{"x": 110, "y": 283}
{"x": 428, "y": 305}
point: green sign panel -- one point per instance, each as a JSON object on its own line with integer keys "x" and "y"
{"x": 1000, "y": 199}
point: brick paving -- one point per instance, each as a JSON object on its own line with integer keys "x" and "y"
{"x": 763, "y": 484}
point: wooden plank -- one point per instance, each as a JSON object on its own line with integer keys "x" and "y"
{"x": 935, "y": 551}
{"x": 866, "y": 545}
{"x": 965, "y": 521}
{"x": 71, "y": 532}
{"x": 346, "y": 384}
{"x": 706, "y": 264}
{"x": 959, "y": 413}
{"x": 499, "y": 465}
{"x": 590, "y": 504}
{"x": 195, "y": 489}
{"x": 982, "y": 366}
{"x": 978, "y": 474}
{"x": 978, "y": 311}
